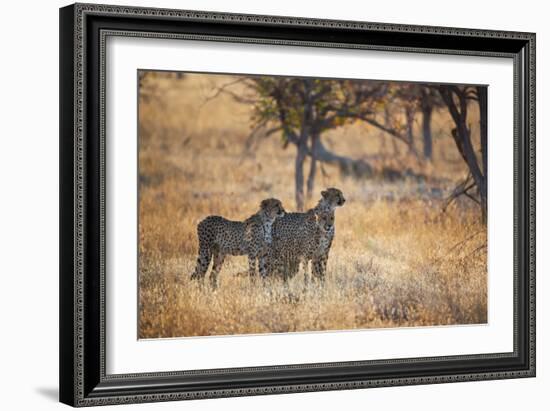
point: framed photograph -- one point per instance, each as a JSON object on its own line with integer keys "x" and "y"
{"x": 261, "y": 204}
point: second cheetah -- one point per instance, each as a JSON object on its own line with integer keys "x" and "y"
{"x": 219, "y": 237}
{"x": 292, "y": 236}
{"x": 319, "y": 225}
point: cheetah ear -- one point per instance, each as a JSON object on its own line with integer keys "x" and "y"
{"x": 324, "y": 193}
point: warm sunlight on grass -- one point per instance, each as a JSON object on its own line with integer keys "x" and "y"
{"x": 396, "y": 260}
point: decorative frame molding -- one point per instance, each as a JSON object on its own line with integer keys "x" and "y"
{"x": 83, "y": 32}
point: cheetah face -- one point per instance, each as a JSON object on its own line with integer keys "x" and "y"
{"x": 325, "y": 221}
{"x": 334, "y": 197}
{"x": 273, "y": 208}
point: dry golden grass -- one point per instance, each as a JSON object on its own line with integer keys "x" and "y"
{"x": 396, "y": 260}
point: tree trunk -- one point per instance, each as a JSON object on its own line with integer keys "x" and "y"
{"x": 312, "y": 166}
{"x": 409, "y": 115}
{"x": 464, "y": 144}
{"x": 301, "y": 147}
{"x": 461, "y": 135}
{"x": 301, "y": 153}
{"x": 387, "y": 122}
{"x": 427, "y": 130}
{"x": 482, "y": 99}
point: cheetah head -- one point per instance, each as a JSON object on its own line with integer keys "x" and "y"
{"x": 333, "y": 197}
{"x": 272, "y": 208}
{"x": 325, "y": 221}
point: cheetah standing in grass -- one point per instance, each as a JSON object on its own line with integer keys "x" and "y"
{"x": 219, "y": 237}
{"x": 294, "y": 235}
{"x": 323, "y": 242}
{"x": 320, "y": 225}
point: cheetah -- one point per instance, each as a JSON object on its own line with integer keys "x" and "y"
{"x": 219, "y": 237}
{"x": 292, "y": 234}
{"x": 323, "y": 242}
{"x": 319, "y": 226}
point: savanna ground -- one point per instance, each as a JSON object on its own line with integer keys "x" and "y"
{"x": 397, "y": 259}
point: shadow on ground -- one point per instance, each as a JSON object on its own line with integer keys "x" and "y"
{"x": 51, "y": 393}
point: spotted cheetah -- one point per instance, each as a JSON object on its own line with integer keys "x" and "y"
{"x": 323, "y": 242}
{"x": 219, "y": 237}
{"x": 319, "y": 226}
{"x": 292, "y": 235}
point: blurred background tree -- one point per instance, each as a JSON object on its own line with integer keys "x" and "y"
{"x": 302, "y": 110}
{"x": 456, "y": 99}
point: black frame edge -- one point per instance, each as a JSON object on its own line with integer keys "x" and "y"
{"x": 529, "y": 134}
{"x": 66, "y": 202}
{"x": 98, "y": 390}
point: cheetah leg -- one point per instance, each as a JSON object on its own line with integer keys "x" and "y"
{"x": 217, "y": 266}
{"x": 291, "y": 267}
{"x": 268, "y": 262}
{"x": 263, "y": 266}
{"x": 277, "y": 268}
{"x": 315, "y": 268}
{"x": 306, "y": 273}
{"x": 203, "y": 261}
{"x": 319, "y": 267}
{"x": 295, "y": 267}
{"x": 285, "y": 267}
{"x": 252, "y": 267}
{"x": 323, "y": 268}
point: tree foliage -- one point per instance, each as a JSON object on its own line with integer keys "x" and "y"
{"x": 300, "y": 110}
